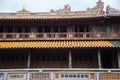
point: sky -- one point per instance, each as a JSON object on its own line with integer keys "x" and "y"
{"x": 47, "y": 5}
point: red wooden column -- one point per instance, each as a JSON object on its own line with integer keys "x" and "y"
{"x": 70, "y": 58}
{"x": 99, "y": 59}
{"x": 118, "y": 51}
{"x": 28, "y": 60}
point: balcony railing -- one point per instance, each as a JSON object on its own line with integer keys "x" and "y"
{"x": 94, "y": 35}
{"x": 51, "y": 35}
{"x": 24, "y": 35}
{"x": 80, "y": 35}
{"x": 59, "y": 74}
{"x": 86, "y": 35}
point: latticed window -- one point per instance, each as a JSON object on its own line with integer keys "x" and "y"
{"x": 9, "y": 29}
{"x": 39, "y": 29}
{"x": 1, "y": 29}
{"x": 19, "y": 29}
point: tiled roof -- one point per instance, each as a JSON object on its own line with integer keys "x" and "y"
{"x": 57, "y": 44}
{"x": 51, "y": 17}
{"x": 64, "y": 13}
{"x": 116, "y": 43}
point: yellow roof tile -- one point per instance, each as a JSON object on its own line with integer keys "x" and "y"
{"x": 55, "y": 44}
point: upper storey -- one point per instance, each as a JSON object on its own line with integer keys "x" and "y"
{"x": 64, "y": 13}
{"x": 63, "y": 24}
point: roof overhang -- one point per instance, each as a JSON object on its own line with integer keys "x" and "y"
{"x": 59, "y": 44}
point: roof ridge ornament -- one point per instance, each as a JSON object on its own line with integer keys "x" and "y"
{"x": 23, "y": 8}
{"x": 100, "y": 1}
{"x": 23, "y": 11}
{"x": 97, "y": 9}
{"x": 67, "y": 8}
{"x": 112, "y": 11}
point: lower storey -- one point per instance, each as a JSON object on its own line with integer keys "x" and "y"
{"x": 59, "y": 58}
{"x": 60, "y": 64}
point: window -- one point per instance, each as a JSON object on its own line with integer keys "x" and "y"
{"x": 70, "y": 75}
{"x": 37, "y": 57}
{"x": 17, "y": 57}
{"x": 63, "y": 29}
{"x": 78, "y": 57}
{"x": 9, "y": 29}
{"x": 27, "y": 29}
{"x": 43, "y": 57}
{"x": 83, "y": 57}
{"x": 2, "y": 56}
{"x": 55, "y": 29}
{"x": 74, "y": 75}
{"x": 40, "y": 29}
{"x": 86, "y": 76}
{"x": 82, "y": 76}
{"x": 77, "y": 75}
{"x": 48, "y": 57}
{"x": 62, "y": 75}
{"x": 81, "y": 28}
{"x": 58, "y": 56}
{"x": 1, "y": 29}
{"x": 64, "y": 57}
{"x": 23, "y": 57}
{"x": 53, "y": 57}
{"x": 66, "y": 75}
{"x": 19, "y": 29}
{"x": 47, "y": 29}
{"x": 103, "y": 29}
{"x": 16, "y": 76}
{"x": 76, "y": 29}
{"x": 1, "y": 76}
{"x": 90, "y": 57}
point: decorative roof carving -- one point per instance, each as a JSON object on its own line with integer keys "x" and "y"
{"x": 112, "y": 11}
{"x": 98, "y": 9}
{"x": 67, "y": 8}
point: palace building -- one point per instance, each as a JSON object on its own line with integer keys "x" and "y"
{"x": 61, "y": 44}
